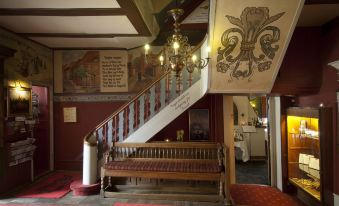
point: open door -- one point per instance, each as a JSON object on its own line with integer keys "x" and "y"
{"x": 40, "y": 110}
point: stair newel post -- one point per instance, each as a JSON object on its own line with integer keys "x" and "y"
{"x": 121, "y": 126}
{"x": 141, "y": 110}
{"x": 131, "y": 119}
{"x": 152, "y": 101}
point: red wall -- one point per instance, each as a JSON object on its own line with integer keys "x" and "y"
{"x": 299, "y": 72}
{"x": 329, "y": 87}
{"x": 212, "y": 102}
{"x": 68, "y": 137}
{"x": 41, "y": 132}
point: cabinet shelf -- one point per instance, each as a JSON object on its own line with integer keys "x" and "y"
{"x": 305, "y": 187}
{"x": 298, "y": 148}
{"x": 304, "y": 136}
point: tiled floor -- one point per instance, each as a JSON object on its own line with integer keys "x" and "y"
{"x": 94, "y": 200}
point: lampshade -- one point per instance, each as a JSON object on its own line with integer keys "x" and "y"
{"x": 177, "y": 53}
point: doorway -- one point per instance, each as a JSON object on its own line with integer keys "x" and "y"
{"x": 41, "y": 114}
{"x": 251, "y": 140}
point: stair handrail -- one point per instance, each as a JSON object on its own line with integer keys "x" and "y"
{"x": 122, "y": 107}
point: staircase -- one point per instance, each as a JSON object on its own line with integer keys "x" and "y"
{"x": 144, "y": 115}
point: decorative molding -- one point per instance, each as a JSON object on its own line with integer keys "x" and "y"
{"x": 93, "y": 97}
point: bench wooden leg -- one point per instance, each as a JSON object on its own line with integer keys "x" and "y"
{"x": 102, "y": 192}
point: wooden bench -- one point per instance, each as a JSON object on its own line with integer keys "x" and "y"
{"x": 166, "y": 161}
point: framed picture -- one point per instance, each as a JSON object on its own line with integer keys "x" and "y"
{"x": 199, "y": 128}
{"x": 19, "y": 101}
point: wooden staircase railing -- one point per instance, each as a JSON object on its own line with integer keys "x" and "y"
{"x": 132, "y": 115}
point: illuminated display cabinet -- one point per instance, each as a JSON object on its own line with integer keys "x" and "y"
{"x": 308, "y": 136}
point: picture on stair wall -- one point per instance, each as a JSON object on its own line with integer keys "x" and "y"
{"x": 199, "y": 128}
{"x": 90, "y": 71}
{"x": 248, "y": 44}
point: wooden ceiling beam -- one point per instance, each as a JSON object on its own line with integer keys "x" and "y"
{"x": 76, "y": 35}
{"x": 135, "y": 17}
{"x": 63, "y": 12}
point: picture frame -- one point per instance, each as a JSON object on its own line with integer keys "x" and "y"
{"x": 199, "y": 128}
{"x": 19, "y": 101}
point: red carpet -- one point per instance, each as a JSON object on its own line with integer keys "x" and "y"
{"x": 261, "y": 195}
{"x": 135, "y": 204}
{"x": 55, "y": 185}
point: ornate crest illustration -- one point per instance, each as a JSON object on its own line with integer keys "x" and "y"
{"x": 254, "y": 24}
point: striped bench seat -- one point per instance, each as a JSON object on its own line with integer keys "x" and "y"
{"x": 165, "y": 166}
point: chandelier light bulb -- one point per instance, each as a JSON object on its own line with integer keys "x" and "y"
{"x": 147, "y": 47}
{"x": 208, "y": 49}
{"x": 194, "y": 58}
{"x": 161, "y": 58}
{"x": 176, "y": 47}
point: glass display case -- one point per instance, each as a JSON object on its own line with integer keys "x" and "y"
{"x": 304, "y": 151}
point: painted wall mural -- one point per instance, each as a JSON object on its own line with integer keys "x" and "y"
{"x": 100, "y": 71}
{"x": 249, "y": 43}
{"x": 31, "y": 62}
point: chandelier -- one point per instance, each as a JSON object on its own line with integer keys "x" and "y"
{"x": 177, "y": 53}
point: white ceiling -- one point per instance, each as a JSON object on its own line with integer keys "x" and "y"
{"x": 59, "y": 4}
{"x": 69, "y": 24}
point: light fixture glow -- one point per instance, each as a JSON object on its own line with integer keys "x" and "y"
{"x": 177, "y": 53}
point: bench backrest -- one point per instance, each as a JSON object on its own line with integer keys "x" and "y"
{"x": 168, "y": 151}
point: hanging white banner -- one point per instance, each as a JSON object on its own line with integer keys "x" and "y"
{"x": 249, "y": 39}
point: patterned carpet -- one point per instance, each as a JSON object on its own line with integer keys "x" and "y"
{"x": 261, "y": 195}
